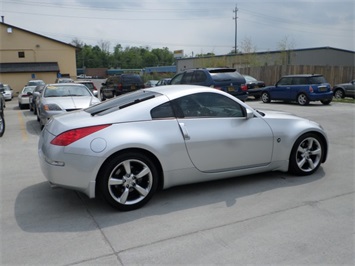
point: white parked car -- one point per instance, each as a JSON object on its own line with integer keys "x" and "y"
{"x": 24, "y": 97}
{"x": 8, "y": 92}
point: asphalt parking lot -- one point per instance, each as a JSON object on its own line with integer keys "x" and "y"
{"x": 271, "y": 218}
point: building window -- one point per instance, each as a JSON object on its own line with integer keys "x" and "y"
{"x": 21, "y": 54}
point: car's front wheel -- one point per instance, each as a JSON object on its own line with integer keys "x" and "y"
{"x": 265, "y": 97}
{"x": 128, "y": 181}
{"x": 302, "y": 99}
{"x": 307, "y": 154}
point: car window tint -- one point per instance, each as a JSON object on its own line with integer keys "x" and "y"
{"x": 176, "y": 79}
{"x": 198, "y": 76}
{"x": 121, "y": 102}
{"x": 284, "y": 81}
{"x": 164, "y": 110}
{"x": 317, "y": 80}
{"x": 187, "y": 77}
{"x": 208, "y": 105}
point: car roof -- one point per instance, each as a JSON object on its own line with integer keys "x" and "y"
{"x": 175, "y": 91}
{"x": 304, "y": 75}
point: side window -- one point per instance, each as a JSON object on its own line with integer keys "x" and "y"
{"x": 162, "y": 111}
{"x": 208, "y": 105}
{"x": 198, "y": 77}
{"x": 284, "y": 81}
{"x": 187, "y": 77}
{"x": 296, "y": 81}
{"x": 177, "y": 79}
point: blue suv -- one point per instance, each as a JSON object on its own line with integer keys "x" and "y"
{"x": 225, "y": 79}
{"x": 300, "y": 88}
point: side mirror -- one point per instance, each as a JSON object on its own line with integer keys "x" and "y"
{"x": 250, "y": 114}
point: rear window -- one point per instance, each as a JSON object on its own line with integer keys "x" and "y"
{"x": 227, "y": 76}
{"x": 317, "y": 80}
{"x": 131, "y": 79}
{"x": 89, "y": 85}
{"x": 121, "y": 102}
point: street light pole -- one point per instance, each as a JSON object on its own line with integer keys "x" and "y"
{"x": 235, "y": 11}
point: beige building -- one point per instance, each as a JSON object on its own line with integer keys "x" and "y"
{"x": 25, "y": 55}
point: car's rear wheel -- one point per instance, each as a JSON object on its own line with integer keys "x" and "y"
{"x": 302, "y": 99}
{"x": 2, "y": 124}
{"x": 265, "y": 97}
{"x": 128, "y": 181}
{"x": 339, "y": 93}
{"x": 307, "y": 154}
{"x": 326, "y": 102}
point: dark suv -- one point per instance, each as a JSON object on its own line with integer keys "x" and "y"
{"x": 300, "y": 88}
{"x": 117, "y": 85}
{"x": 225, "y": 79}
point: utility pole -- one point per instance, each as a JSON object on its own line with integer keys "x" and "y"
{"x": 235, "y": 11}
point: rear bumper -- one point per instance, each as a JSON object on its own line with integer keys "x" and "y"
{"x": 321, "y": 96}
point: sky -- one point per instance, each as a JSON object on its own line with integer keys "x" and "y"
{"x": 194, "y": 26}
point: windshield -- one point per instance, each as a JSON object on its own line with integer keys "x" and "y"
{"x": 64, "y": 91}
{"x": 121, "y": 102}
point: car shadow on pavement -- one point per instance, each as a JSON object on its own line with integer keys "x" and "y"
{"x": 38, "y": 208}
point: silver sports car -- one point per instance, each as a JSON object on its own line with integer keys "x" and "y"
{"x": 130, "y": 146}
{"x": 61, "y": 98}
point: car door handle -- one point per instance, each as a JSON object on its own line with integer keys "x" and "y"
{"x": 184, "y": 131}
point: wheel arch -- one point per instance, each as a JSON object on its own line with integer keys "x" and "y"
{"x": 147, "y": 153}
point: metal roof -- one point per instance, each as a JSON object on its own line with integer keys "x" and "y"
{"x": 29, "y": 67}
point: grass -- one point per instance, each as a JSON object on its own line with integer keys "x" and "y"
{"x": 344, "y": 100}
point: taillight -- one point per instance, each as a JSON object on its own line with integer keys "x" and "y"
{"x": 310, "y": 89}
{"x": 119, "y": 86}
{"x": 68, "y": 137}
{"x": 244, "y": 87}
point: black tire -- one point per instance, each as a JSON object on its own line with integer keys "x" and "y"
{"x": 302, "y": 99}
{"x": 21, "y": 106}
{"x": 2, "y": 123}
{"x": 306, "y": 155}
{"x": 326, "y": 102}
{"x": 265, "y": 97}
{"x": 128, "y": 181}
{"x": 339, "y": 94}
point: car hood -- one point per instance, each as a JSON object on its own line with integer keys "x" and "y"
{"x": 73, "y": 102}
{"x": 280, "y": 120}
{"x": 279, "y": 114}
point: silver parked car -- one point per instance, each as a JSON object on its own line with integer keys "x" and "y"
{"x": 344, "y": 90}
{"x": 62, "y": 98}
{"x": 130, "y": 146}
